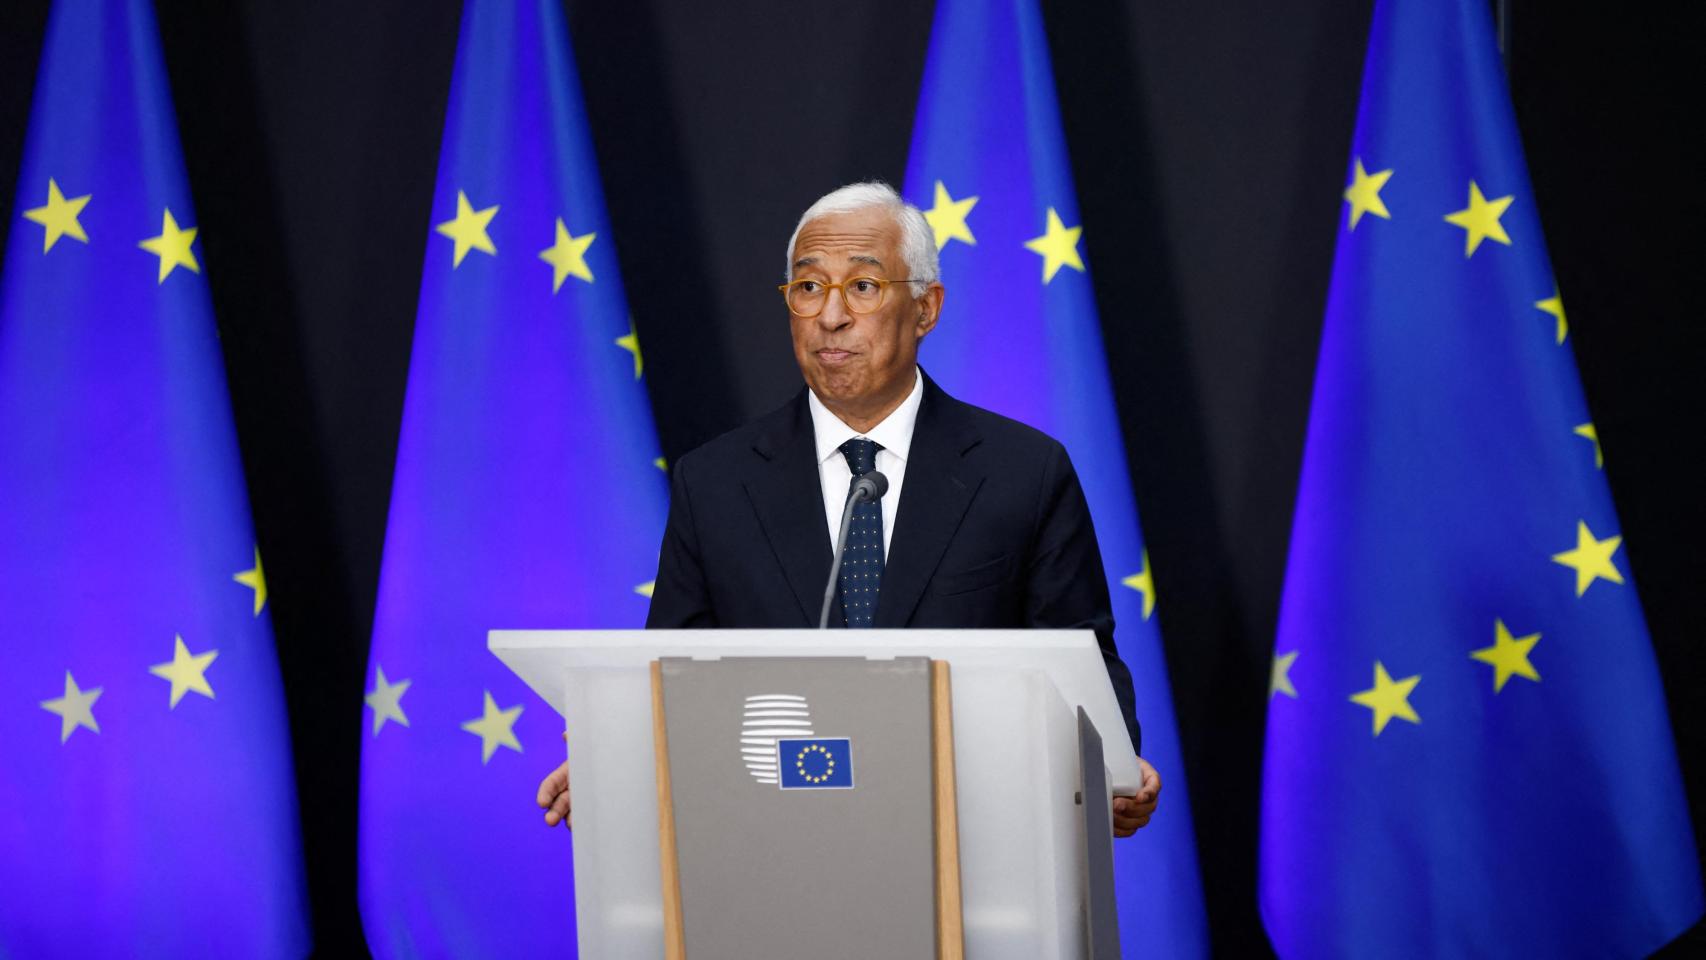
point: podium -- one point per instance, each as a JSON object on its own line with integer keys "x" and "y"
{"x": 1012, "y": 822}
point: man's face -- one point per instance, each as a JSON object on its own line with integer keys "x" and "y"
{"x": 859, "y": 364}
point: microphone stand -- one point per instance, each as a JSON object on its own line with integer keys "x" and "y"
{"x": 871, "y": 486}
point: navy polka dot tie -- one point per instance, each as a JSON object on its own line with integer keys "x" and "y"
{"x": 862, "y": 565}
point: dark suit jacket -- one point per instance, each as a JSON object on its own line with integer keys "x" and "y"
{"x": 992, "y": 530}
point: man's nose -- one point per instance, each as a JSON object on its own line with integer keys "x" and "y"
{"x": 834, "y": 315}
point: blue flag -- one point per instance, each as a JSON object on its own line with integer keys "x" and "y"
{"x": 1020, "y": 336}
{"x": 1467, "y": 746}
{"x": 819, "y": 764}
{"x": 528, "y": 494}
{"x": 145, "y": 782}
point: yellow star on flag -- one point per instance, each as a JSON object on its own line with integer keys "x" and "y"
{"x": 1591, "y": 559}
{"x": 1058, "y": 246}
{"x": 1279, "y": 677}
{"x": 631, "y": 343}
{"x": 947, "y": 218}
{"x": 1554, "y": 305}
{"x": 661, "y": 464}
{"x": 1388, "y": 698}
{"x": 255, "y": 579}
{"x": 495, "y": 728}
{"x": 1481, "y": 220}
{"x": 185, "y": 671}
{"x": 59, "y": 216}
{"x": 75, "y": 709}
{"x": 172, "y": 246}
{"x": 1587, "y": 431}
{"x": 567, "y": 256}
{"x": 1508, "y": 655}
{"x": 1363, "y": 194}
{"x": 1143, "y": 581}
{"x": 645, "y": 589}
{"x": 468, "y": 229}
{"x": 386, "y": 701}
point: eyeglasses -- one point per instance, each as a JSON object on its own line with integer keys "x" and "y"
{"x": 806, "y": 298}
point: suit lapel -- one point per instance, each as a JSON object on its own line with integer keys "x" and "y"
{"x": 933, "y": 499}
{"x": 787, "y": 495}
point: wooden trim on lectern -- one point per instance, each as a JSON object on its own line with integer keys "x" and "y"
{"x": 674, "y": 940}
{"x": 950, "y": 930}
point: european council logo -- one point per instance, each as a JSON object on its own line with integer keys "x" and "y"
{"x": 818, "y": 764}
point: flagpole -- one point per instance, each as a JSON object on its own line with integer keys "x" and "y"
{"x": 1502, "y": 14}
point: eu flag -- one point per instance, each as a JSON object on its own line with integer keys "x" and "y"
{"x": 1020, "y": 336}
{"x": 818, "y": 764}
{"x": 145, "y": 781}
{"x": 1467, "y": 746}
{"x": 528, "y": 494}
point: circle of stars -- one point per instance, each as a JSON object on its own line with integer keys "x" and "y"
{"x": 828, "y": 761}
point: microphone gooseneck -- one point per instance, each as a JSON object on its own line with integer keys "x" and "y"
{"x": 867, "y": 488}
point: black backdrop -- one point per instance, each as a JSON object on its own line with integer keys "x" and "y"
{"x": 1209, "y": 143}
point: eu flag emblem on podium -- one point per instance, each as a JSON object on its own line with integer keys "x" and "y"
{"x": 1468, "y": 753}
{"x": 817, "y": 764}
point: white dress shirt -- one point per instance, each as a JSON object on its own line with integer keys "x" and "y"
{"x": 894, "y": 435}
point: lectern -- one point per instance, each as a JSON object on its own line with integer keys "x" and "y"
{"x": 753, "y": 793}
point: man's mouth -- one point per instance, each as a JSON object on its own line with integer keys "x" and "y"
{"x": 834, "y": 355}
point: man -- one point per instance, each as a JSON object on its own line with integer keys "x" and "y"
{"x": 984, "y": 523}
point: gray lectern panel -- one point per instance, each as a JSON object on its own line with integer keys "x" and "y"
{"x": 1101, "y": 911}
{"x": 825, "y": 851}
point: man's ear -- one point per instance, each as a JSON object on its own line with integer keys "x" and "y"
{"x": 930, "y": 308}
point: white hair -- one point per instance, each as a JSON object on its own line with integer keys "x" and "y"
{"x": 917, "y": 240}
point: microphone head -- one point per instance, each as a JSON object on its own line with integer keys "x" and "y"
{"x": 871, "y": 486}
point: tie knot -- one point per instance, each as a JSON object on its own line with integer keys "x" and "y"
{"x": 861, "y": 455}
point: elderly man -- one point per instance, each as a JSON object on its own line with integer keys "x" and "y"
{"x": 984, "y": 523}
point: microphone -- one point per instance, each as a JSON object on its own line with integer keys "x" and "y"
{"x": 866, "y": 489}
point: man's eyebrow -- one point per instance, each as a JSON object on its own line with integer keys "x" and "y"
{"x": 864, "y": 258}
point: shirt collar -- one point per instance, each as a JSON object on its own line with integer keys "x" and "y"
{"x": 894, "y": 433}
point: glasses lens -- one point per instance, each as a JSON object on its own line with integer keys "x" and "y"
{"x": 864, "y": 294}
{"x": 805, "y": 297}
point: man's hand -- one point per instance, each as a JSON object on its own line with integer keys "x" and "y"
{"x": 1130, "y": 813}
{"x": 554, "y": 796}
